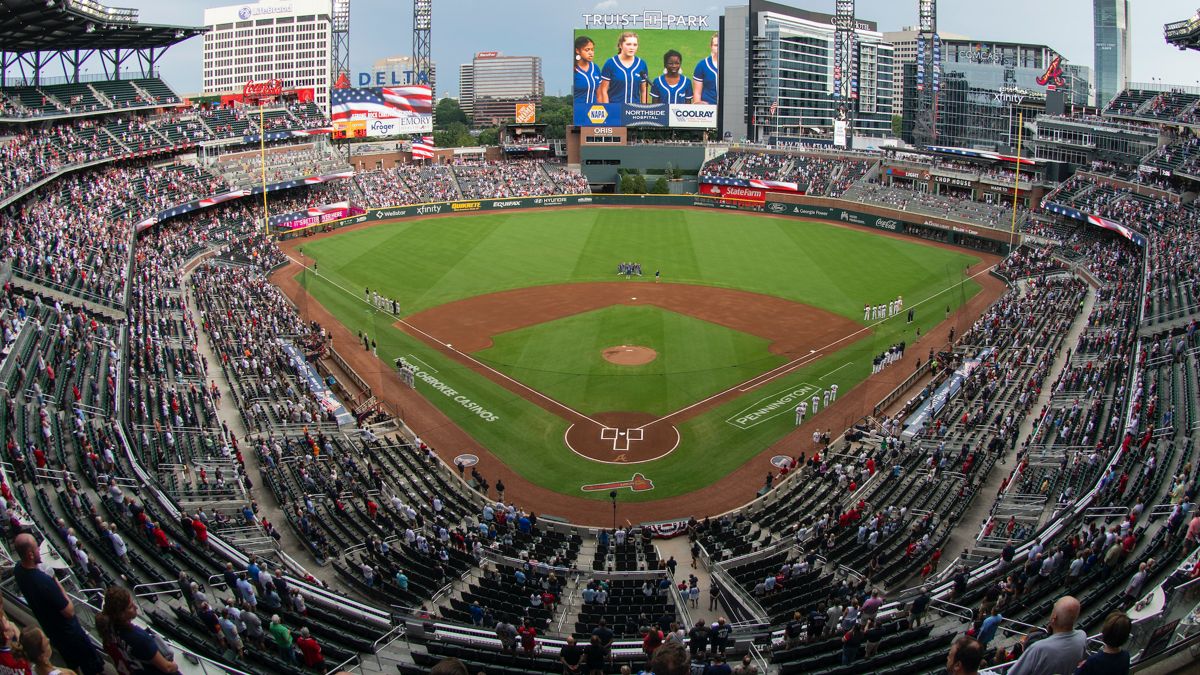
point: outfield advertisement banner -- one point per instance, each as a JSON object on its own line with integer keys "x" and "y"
{"x": 734, "y": 193}
{"x": 745, "y": 201}
{"x": 646, "y": 78}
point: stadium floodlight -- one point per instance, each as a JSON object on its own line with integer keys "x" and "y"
{"x": 422, "y": 14}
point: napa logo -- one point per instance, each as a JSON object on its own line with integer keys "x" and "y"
{"x": 597, "y": 114}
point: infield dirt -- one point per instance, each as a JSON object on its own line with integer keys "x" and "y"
{"x": 792, "y": 332}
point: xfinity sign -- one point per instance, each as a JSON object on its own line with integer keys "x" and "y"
{"x": 648, "y": 19}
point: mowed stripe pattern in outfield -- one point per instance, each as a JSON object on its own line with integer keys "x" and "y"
{"x": 425, "y": 263}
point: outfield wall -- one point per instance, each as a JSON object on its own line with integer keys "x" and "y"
{"x": 975, "y": 237}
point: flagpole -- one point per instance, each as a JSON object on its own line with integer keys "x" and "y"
{"x": 262, "y": 149}
{"x": 1016, "y": 180}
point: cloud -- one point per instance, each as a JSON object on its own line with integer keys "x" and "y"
{"x": 605, "y": 6}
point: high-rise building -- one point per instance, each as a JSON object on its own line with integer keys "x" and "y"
{"x": 985, "y": 88}
{"x": 1110, "y": 19}
{"x": 492, "y": 84}
{"x": 395, "y": 71}
{"x": 286, "y": 40}
{"x": 904, "y": 52}
{"x": 777, "y": 75}
{"x": 466, "y": 88}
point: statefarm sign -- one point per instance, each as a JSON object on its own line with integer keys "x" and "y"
{"x": 734, "y": 193}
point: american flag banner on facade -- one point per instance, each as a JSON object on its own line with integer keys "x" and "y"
{"x": 387, "y": 111}
{"x": 417, "y": 98}
{"x": 422, "y": 147}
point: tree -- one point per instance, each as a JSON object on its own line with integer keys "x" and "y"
{"x": 448, "y": 112}
{"x": 489, "y": 137}
{"x": 556, "y": 115}
{"x": 639, "y": 184}
{"x": 626, "y": 183}
{"x": 897, "y": 125}
{"x": 660, "y": 186}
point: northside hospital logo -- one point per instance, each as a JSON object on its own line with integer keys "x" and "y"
{"x": 597, "y": 114}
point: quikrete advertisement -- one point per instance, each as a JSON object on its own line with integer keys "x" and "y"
{"x": 646, "y": 78}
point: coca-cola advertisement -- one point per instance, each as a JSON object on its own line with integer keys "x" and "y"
{"x": 262, "y": 89}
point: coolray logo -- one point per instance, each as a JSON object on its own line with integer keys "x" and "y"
{"x": 465, "y": 206}
{"x": 887, "y": 224}
{"x": 391, "y": 213}
{"x": 429, "y": 209}
{"x": 506, "y": 204}
{"x": 776, "y": 207}
{"x": 597, "y": 114}
{"x": 550, "y": 201}
{"x": 692, "y": 113}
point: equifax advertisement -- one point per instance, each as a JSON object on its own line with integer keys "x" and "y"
{"x": 647, "y": 78}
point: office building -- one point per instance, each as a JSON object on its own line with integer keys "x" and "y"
{"x": 778, "y": 75}
{"x": 286, "y": 40}
{"x": 1110, "y": 19}
{"x": 985, "y": 88}
{"x": 904, "y": 52}
{"x": 492, "y": 84}
{"x": 395, "y": 71}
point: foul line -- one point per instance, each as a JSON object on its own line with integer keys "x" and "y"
{"x": 835, "y": 370}
{"x": 450, "y": 347}
{"x": 803, "y": 360}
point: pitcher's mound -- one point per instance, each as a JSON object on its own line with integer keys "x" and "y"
{"x": 630, "y": 355}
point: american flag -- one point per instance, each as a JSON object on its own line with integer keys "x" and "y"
{"x": 382, "y": 103}
{"x": 422, "y": 147}
{"x": 415, "y": 98}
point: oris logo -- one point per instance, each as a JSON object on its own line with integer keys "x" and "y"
{"x": 884, "y": 223}
{"x": 776, "y": 207}
{"x": 429, "y": 209}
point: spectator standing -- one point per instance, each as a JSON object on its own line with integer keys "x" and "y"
{"x": 310, "y": 650}
{"x": 53, "y": 610}
{"x": 132, "y": 648}
{"x": 1060, "y": 652}
{"x": 965, "y": 656}
{"x": 1112, "y": 659}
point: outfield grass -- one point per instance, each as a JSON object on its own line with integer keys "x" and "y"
{"x": 428, "y": 262}
{"x": 564, "y": 359}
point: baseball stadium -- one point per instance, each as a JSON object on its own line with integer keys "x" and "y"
{"x": 706, "y": 371}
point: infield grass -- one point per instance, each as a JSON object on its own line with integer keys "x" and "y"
{"x": 564, "y": 359}
{"x": 427, "y": 262}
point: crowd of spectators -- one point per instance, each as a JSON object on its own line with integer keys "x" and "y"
{"x": 899, "y": 196}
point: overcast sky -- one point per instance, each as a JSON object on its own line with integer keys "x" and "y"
{"x": 381, "y": 28}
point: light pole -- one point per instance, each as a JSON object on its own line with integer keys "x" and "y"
{"x": 613, "y": 496}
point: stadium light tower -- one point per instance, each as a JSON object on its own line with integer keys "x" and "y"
{"x": 1184, "y": 34}
{"x": 929, "y": 80}
{"x": 845, "y": 69}
{"x": 341, "y": 42}
{"x": 423, "y": 41}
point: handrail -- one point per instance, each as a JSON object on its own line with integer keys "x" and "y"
{"x": 345, "y": 665}
{"x": 400, "y": 631}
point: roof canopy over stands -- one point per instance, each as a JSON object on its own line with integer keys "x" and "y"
{"x": 1184, "y": 34}
{"x": 34, "y": 34}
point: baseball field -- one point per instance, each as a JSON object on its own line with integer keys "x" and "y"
{"x": 521, "y": 332}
